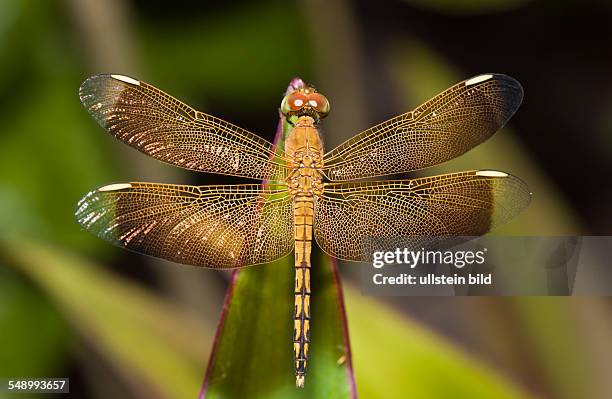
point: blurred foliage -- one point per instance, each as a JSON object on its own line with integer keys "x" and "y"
{"x": 153, "y": 340}
{"x": 47, "y": 162}
{"x": 229, "y": 58}
{"x": 410, "y": 362}
{"x": 29, "y": 353}
{"x": 468, "y": 6}
{"x": 562, "y": 369}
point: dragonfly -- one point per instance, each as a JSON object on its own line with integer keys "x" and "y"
{"x": 304, "y": 193}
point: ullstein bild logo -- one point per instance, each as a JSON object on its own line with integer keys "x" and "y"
{"x": 411, "y": 258}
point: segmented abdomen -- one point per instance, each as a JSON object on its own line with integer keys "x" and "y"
{"x": 303, "y": 211}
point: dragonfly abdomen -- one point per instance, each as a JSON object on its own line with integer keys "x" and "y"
{"x": 303, "y": 213}
{"x": 305, "y": 148}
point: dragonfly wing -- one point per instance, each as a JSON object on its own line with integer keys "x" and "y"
{"x": 441, "y": 129}
{"x": 161, "y": 126}
{"x": 459, "y": 204}
{"x": 213, "y": 226}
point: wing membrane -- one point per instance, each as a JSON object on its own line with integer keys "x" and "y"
{"x": 467, "y": 204}
{"x": 441, "y": 129}
{"x": 213, "y": 226}
{"x": 161, "y": 126}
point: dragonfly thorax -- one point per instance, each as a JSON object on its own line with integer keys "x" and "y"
{"x": 304, "y": 141}
{"x": 305, "y": 148}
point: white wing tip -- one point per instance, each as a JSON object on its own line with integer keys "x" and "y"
{"x": 491, "y": 173}
{"x": 478, "y": 79}
{"x": 126, "y": 79}
{"x": 115, "y": 187}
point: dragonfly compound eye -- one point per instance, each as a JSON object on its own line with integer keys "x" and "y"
{"x": 319, "y": 103}
{"x": 293, "y": 102}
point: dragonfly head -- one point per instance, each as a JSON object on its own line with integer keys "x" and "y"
{"x": 305, "y": 101}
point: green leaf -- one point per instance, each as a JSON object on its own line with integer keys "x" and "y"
{"x": 146, "y": 339}
{"x": 253, "y": 354}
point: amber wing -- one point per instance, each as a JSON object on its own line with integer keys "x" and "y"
{"x": 213, "y": 226}
{"x": 441, "y": 129}
{"x": 459, "y": 204}
{"x": 165, "y": 128}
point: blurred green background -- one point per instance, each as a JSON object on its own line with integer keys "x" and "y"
{"x": 123, "y": 325}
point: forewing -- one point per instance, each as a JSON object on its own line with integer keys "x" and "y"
{"x": 213, "y": 226}
{"x": 441, "y": 129}
{"x": 459, "y": 204}
{"x": 161, "y": 126}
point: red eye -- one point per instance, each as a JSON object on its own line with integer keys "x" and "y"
{"x": 296, "y": 101}
{"x": 318, "y": 102}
